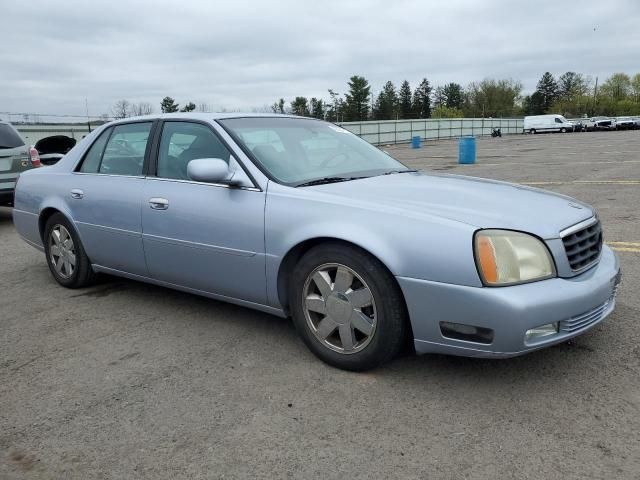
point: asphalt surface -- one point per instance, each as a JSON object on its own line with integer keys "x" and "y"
{"x": 126, "y": 380}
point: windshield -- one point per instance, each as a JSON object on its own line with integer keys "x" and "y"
{"x": 9, "y": 137}
{"x": 294, "y": 151}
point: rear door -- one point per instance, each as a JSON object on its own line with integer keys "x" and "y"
{"x": 14, "y": 158}
{"x": 105, "y": 196}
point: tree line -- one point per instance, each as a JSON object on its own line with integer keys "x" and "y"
{"x": 572, "y": 94}
{"x": 124, "y": 109}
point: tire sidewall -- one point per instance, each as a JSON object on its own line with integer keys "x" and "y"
{"x": 390, "y": 311}
{"x": 82, "y": 263}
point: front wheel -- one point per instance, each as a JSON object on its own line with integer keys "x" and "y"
{"x": 347, "y": 307}
{"x": 563, "y": 130}
{"x": 66, "y": 257}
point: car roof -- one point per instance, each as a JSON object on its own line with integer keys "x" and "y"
{"x": 206, "y": 116}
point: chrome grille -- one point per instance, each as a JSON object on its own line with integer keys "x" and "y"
{"x": 583, "y": 247}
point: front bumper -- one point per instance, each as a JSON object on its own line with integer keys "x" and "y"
{"x": 580, "y": 302}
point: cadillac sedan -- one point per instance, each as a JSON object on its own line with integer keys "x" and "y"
{"x": 297, "y": 217}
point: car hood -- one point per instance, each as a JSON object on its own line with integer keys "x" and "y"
{"x": 475, "y": 201}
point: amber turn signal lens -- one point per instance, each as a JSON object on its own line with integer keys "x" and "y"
{"x": 487, "y": 259}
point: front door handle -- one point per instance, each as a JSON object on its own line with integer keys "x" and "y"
{"x": 77, "y": 193}
{"x": 159, "y": 203}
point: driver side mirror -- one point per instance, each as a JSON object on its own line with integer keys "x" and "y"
{"x": 210, "y": 170}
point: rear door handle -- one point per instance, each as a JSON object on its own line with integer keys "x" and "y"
{"x": 159, "y": 203}
{"x": 77, "y": 193}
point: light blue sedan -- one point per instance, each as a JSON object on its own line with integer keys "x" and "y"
{"x": 298, "y": 217}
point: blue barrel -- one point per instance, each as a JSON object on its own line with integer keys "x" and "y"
{"x": 415, "y": 141}
{"x": 467, "y": 150}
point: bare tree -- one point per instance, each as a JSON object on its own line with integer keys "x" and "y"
{"x": 142, "y": 108}
{"x": 204, "y": 107}
{"x": 121, "y": 109}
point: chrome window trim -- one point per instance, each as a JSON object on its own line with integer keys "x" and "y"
{"x": 222, "y": 185}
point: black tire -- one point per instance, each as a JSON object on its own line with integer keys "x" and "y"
{"x": 83, "y": 275}
{"x": 391, "y": 328}
{"x": 532, "y": 131}
{"x": 563, "y": 130}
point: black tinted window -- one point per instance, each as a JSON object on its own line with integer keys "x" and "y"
{"x": 182, "y": 142}
{"x": 92, "y": 158}
{"x": 9, "y": 137}
{"x": 124, "y": 153}
{"x": 558, "y": 120}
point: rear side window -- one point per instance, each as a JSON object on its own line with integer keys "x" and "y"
{"x": 124, "y": 153}
{"x": 9, "y": 137}
{"x": 91, "y": 161}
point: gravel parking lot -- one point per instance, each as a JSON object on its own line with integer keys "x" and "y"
{"x": 126, "y": 380}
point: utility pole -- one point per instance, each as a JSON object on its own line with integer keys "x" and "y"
{"x": 86, "y": 107}
{"x": 595, "y": 94}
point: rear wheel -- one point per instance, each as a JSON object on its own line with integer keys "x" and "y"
{"x": 347, "y": 307}
{"x": 66, "y": 257}
{"x": 532, "y": 131}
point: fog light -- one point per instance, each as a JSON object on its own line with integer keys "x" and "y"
{"x": 468, "y": 333}
{"x": 542, "y": 331}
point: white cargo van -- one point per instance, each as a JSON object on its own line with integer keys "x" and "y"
{"x": 547, "y": 123}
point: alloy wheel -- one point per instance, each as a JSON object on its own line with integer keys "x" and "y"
{"x": 339, "y": 308}
{"x": 62, "y": 252}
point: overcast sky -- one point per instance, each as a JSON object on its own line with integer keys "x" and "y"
{"x": 241, "y": 54}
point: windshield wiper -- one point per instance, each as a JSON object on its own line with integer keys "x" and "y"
{"x": 325, "y": 180}
{"x": 400, "y": 171}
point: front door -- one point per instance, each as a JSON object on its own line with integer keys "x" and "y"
{"x": 208, "y": 237}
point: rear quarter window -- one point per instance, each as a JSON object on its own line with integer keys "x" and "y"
{"x": 9, "y": 137}
{"x": 91, "y": 161}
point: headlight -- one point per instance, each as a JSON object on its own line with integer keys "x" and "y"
{"x": 507, "y": 258}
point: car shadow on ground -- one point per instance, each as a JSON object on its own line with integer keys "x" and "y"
{"x": 205, "y": 315}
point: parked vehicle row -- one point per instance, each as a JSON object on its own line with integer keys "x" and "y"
{"x": 557, "y": 123}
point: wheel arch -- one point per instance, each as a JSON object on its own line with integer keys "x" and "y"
{"x": 296, "y": 252}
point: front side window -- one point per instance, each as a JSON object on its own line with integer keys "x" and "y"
{"x": 182, "y": 142}
{"x": 125, "y": 150}
{"x": 295, "y": 151}
{"x": 558, "y": 120}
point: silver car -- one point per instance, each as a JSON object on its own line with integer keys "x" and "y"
{"x": 15, "y": 157}
{"x": 301, "y": 218}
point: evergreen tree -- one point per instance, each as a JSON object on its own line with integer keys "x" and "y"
{"x": 422, "y": 100}
{"x": 386, "y": 106}
{"x": 404, "y": 101}
{"x": 300, "y": 107}
{"x": 189, "y": 107}
{"x": 453, "y": 95}
{"x": 357, "y": 100}
{"x": 317, "y": 108}
{"x": 548, "y": 88}
{"x": 168, "y": 105}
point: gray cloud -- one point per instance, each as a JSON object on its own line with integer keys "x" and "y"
{"x": 243, "y": 53}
